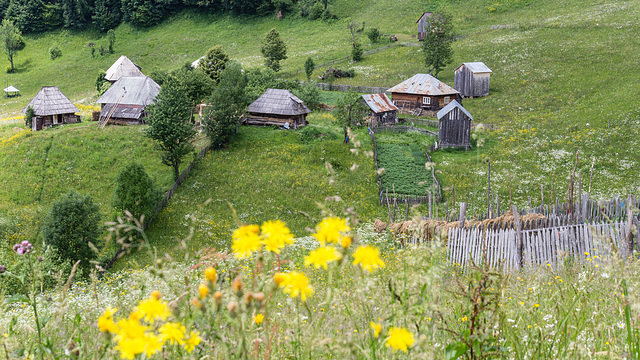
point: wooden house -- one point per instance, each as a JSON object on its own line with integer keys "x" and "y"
{"x": 454, "y": 126}
{"x": 423, "y": 91}
{"x": 122, "y": 67}
{"x": 51, "y": 107}
{"x": 383, "y": 111}
{"x": 126, "y": 101}
{"x": 472, "y": 79}
{"x": 277, "y": 107}
{"x": 422, "y": 25}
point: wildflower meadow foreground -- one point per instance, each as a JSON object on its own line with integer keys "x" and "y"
{"x": 341, "y": 293}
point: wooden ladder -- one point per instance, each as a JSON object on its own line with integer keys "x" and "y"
{"x": 105, "y": 119}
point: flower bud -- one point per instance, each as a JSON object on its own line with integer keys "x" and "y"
{"x": 233, "y": 308}
{"x": 238, "y": 286}
{"x": 211, "y": 274}
{"x": 40, "y": 258}
{"x": 259, "y": 297}
{"x": 217, "y": 296}
{"x": 2, "y": 269}
{"x": 156, "y": 294}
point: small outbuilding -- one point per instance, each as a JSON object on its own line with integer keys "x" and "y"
{"x": 122, "y": 67}
{"x": 51, "y": 107}
{"x": 11, "y": 91}
{"x": 423, "y": 91}
{"x": 422, "y": 25}
{"x": 383, "y": 111}
{"x": 126, "y": 101}
{"x": 277, "y": 107}
{"x": 472, "y": 79}
{"x": 454, "y": 126}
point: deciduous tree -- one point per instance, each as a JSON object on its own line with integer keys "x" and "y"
{"x": 437, "y": 42}
{"x": 309, "y": 66}
{"x": 274, "y": 50}
{"x": 11, "y": 39}
{"x": 214, "y": 62}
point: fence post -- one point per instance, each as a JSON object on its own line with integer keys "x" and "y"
{"x": 629, "y": 234}
{"x": 516, "y": 220}
{"x": 463, "y": 211}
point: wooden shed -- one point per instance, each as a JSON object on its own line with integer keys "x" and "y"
{"x": 126, "y": 101}
{"x": 454, "y": 126}
{"x": 422, "y": 25}
{"x": 383, "y": 111}
{"x": 277, "y": 107}
{"x": 51, "y": 107}
{"x": 423, "y": 91}
{"x": 472, "y": 79}
{"x": 122, "y": 67}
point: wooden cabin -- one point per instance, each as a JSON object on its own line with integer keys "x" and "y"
{"x": 454, "y": 126}
{"x": 383, "y": 111}
{"x": 423, "y": 91}
{"x": 126, "y": 101}
{"x": 472, "y": 79}
{"x": 422, "y": 25}
{"x": 51, "y": 107}
{"x": 122, "y": 67}
{"x": 277, "y": 107}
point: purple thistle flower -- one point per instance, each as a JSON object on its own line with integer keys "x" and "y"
{"x": 2, "y": 269}
{"x": 22, "y": 248}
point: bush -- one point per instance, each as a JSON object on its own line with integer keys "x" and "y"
{"x": 310, "y": 94}
{"x": 53, "y": 269}
{"x": 28, "y": 116}
{"x": 54, "y": 52}
{"x": 356, "y": 51}
{"x": 136, "y": 192}
{"x": 70, "y": 226}
{"x": 374, "y": 35}
{"x": 316, "y": 11}
{"x": 310, "y": 133}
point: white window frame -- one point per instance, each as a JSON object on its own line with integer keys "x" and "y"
{"x": 426, "y": 100}
{"x": 447, "y": 99}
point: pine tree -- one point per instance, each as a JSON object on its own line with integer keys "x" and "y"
{"x": 274, "y": 50}
{"x": 107, "y": 14}
{"x": 226, "y": 106}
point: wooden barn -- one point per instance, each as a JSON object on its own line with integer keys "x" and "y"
{"x": 51, "y": 107}
{"x": 126, "y": 101}
{"x": 122, "y": 67}
{"x": 454, "y": 126}
{"x": 423, "y": 91}
{"x": 422, "y": 25}
{"x": 472, "y": 79}
{"x": 383, "y": 111}
{"x": 277, "y": 107}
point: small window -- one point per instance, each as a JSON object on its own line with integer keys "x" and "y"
{"x": 426, "y": 100}
{"x": 447, "y": 99}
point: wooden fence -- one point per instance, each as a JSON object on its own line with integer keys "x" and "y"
{"x": 387, "y": 129}
{"x": 354, "y": 88}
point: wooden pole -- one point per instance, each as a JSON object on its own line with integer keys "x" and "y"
{"x": 510, "y": 198}
{"x": 541, "y": 197}
{"x": 553, "y": 174}
{"x": 591, "y": 174}
{"x": 629, "y": 227}
{"x": 519, "y": 242}
{"x": 388, "y": 205}
{"x": 489, "y": 190}
{"x": 430, "y": 205}
{"x": 463, "y": 214}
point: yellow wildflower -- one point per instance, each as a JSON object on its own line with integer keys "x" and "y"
{"x": 345, "y": 242}
{"x": 105, "y": 322}
{"x": 377, "y": 327}
{"x": 193, "y": 341}
{"x": 276, "y": 235}
{"x": 156, "y": 294}
{"x": 296, "y": 284}
{"x": 131, "y": 337}
{"x": 368, "y": 257}
{"x": 173, "y": 333}
{"x": 399, "y": 339}
{"x": 153, "y": 343}
{"x": 258, "y": 319}
{"x": 152, "y": 309}
{"x": 322, "y": 256}
{"x": 246, "y": 241}
{"x": 536, "y": 305}
{"x": 279, "y": 278}
{"x": 203, "y": 289}
{"x": 211, "y": 274}
{"x": 330, "y": 230}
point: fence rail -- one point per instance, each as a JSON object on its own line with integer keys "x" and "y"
{"x": 394, "y": 129}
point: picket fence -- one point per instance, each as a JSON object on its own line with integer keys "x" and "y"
{"x": 548, "y": 247}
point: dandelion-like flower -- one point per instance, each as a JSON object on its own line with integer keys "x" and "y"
{"x": 258, "y": 319}
{"x": 322, "y": 256}
{"x": 211, "y": 274}
{"x": 193, "y": 341}
{"x": 203, "y": 289}
{"x": 295, "y": 284}
{"x": 330, "y": 230}
{"x": 368, "y": 257}
{"x": 276, "y": 235}
{"x": 105, "y": 321}
{"x": 173, "y": 333}
{"x": 131, "y": 337}
{"x": 377, "y": 327}
{"x": 152, "y": 309}
{"x": 152, "y": 343}
{"x": 246, "y": 241}
{"x": 399, "y": 339}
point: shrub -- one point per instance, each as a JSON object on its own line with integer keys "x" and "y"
{"x": 311, "y": 133}
{"x": 54, "y": 52}
{"x": 310, "y": 94}
{"x": 356, "y": 51}
{"x": 136, "y": 192}
{"x": 316, "y": 11}
{"x": 374, "y": 35}
{"x": 70, "y": 226}
{"x": 28, "y": 116}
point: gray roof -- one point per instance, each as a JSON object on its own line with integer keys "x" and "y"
{"x": 278, "y": 102}
{"x": 454, "y": 104}
{"x": 11, "y": 88}
{"x": 475, "y": 67}
{"x": 123, "y": 111}
{"x": 423, "y": 84}
{"x": 379, "y": 103}
{"x": 51, "y": 101}
{"x": 139, "y": 90}
{"x": 122, "y": 67}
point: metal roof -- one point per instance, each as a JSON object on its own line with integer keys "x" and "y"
{"x": 475, "y": 67}
{"x": 454, "y": 104}
{"x": 278, "y": 102}
{"x": 124, "y": 111}
{"x": 51, "y": 101}
{"x": 11, "y": 89}
{"x": 379, "y": 103}
{"x": 122, "y": 67}
{"x": 423, "y": 84}
{"x": 139, "y": 90}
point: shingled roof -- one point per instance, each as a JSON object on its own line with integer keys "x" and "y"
{"x": 278, "y": 102}
{"x": 51, "y": 101}
{"x": 122, "y": 67}
{"x": 423, "y": 84}
{"x": 139, "y": 90}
